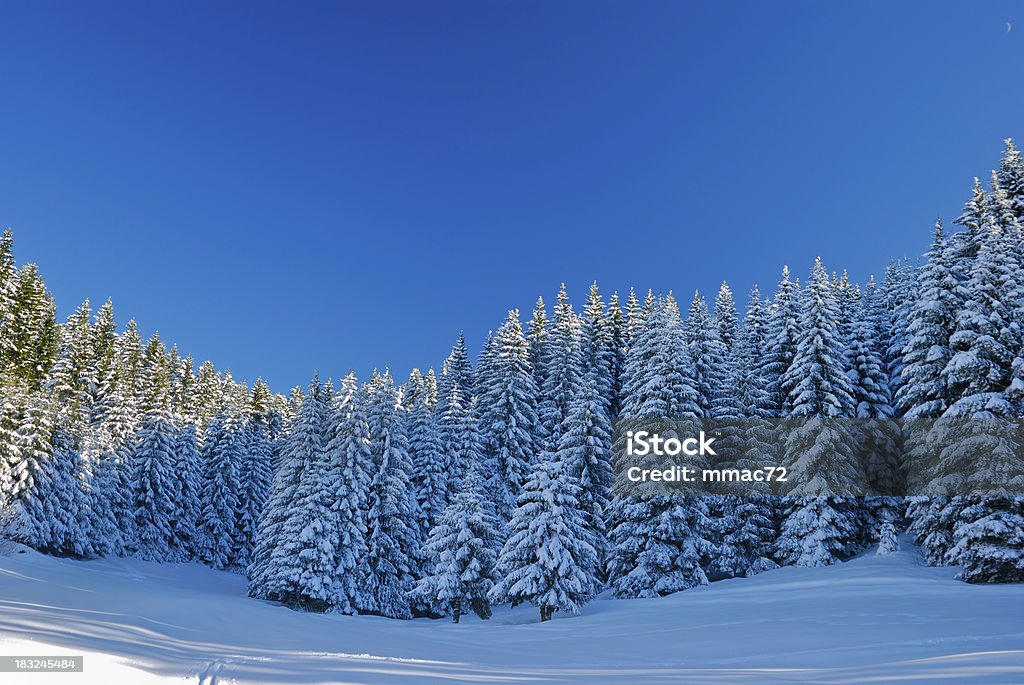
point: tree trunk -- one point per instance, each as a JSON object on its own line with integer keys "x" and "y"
{"x": 456, "y": 613}
{"x": 546, "y": 612}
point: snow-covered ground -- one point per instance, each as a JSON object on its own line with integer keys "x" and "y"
{"x": 874, "y": 619}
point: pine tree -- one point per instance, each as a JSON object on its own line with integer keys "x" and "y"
{"x": 269, "y": 578}
{"x": 878, "y": 437}
{"x": 747, "y": 543}
{"x": 460, "y": 442}
{"x": 462, "y": 552}
{"x": 152, "y": 487}
{"x": 209, "y": 396}
{"x": 256, "y": 469}
{"x": 73, "y": 377}
{"x": 8, "y": 296}
{"x": 708, "y": 356}
{"x": 987, "y": 336}
{"x": 634, "y": 317}
{"x": 1010, "y": 178}
{"x": 430, "y": 463}
{"x": 547, "y": 559}
{"x": 617, "y": 337}
{"x": 32, "y": 335}
{"x": 349, "y": 466}
{"x": 188, "y": 468}
{"x": 597, "y": 354}
{"x": 655, "y": 541}
{"x": 456, "y": 369}
{"x": 584, "y": 451}
{"x": 106, "y": 493}
{"x": 990, "y": 540}
{"x": 223, "y": 452}
{"x": 751, "y": 354}
{"x": 562, "y": 367}
{"x": 888, "y": 541}
{"x": 508, "y": 415}
{"x": 899, "y": 296}
{"x": 40, "y": 495}
{"x": 923, "y": 393}
{"x": 295, "y": 555}
{"x": 391, "y": 520}
{"x": 782, "y": 339}
{"x": 50, "y": 514}
{"x": 819, "y": 528}
{"x": 537, "y": 336}
{"x": 725, "y": 319}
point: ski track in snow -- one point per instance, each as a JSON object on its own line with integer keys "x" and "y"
{"x": 871, "y": 620}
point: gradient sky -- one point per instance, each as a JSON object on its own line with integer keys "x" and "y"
{"x": 283, "y": 187}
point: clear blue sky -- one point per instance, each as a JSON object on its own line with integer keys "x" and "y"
{"x": 283, "y": 187}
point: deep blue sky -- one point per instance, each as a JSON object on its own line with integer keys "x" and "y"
{"x": 283, "y": 187}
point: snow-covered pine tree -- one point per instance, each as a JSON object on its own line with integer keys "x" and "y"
{"x": 584, "y": 451}
{"x": 634, "y": 318}
{"x": 188, "y": 469}
{"x": 748, "y": 534}
{"x": 1011, "y": 178}
{"x": 349, "y": 466}
{"x": 223, "y": 451}
{"x": 40, "y": 494}
{"x": 430, "y": 389}
{"x": 547, "y": 559}
{"x": 988, "y": 334}
{"x": 819, "y": 528}
{"x": 152, "y": 485}
{"x": 597, "y": 355}
{"x": 748, "y": 538}
{"x": 106, "y": 492}
{"x": 982, "y": 533}
{"x": 270, "y": 572}
{"x": 102, "y": 345}
{"x": 725, "y": 319}
{"x": 989, "y": 538}
{"x": 392, "y": 538}
{"x": 655, "y": 543}
{"x": 617, "y": 335}
{"x": 73, "y": 377}
{"x": 256, "y": 472}
{"x": 870, "y": 389}
{"x": 922, "y": 392}
{"x": 460, "y": 440}
{"x": 537, "y": 336}
{"x": 8, "y": 289}
{"x": 209, "y": 396}
{"x": 430, "y": 463}
{"x": 508, "y": 416}
{"x": 878, "y": 436}
{"x": 782, "y": 338}
{"x": 456, "y": 369}
{"x": 49, "y": 515}
{"x": 461, "y": 551}
{"x": 751, "y": 355}
{"x": 563, "y": 370}
{"x": 899, "y": 295}
{"x": 31, "y": 333}
{"x": 296, "y": 549}
{"x": 888, "y": 540}
{"x": 715, "y": 375}
{"x": 707, "y": 354}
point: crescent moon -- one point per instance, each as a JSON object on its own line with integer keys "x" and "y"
{"x": 1009, "y": 27}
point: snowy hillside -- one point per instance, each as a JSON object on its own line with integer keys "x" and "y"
{"x": 873, "y": 619}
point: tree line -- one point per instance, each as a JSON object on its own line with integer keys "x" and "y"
{"x": 491, "y": 484}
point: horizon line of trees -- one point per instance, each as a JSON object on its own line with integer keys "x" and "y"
{"x": 455, "y": 491}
